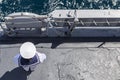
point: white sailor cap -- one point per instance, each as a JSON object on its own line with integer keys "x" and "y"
{"x": 27, "y": 50}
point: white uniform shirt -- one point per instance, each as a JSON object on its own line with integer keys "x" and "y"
{"x": 41, "y": 56}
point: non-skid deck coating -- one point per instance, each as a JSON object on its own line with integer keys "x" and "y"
{"x": 68, "y": 60}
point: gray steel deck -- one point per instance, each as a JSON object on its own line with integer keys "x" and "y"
{"x": 67, "y": 59}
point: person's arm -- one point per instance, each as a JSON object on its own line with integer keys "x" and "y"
{"x": 16, "y": 58}
{"x": 42, "y": 56}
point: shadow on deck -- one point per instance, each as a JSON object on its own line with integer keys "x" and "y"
{"x": 57, "y": 41}
{"x": 17, "y": 73}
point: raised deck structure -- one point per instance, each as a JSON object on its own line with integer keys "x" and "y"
{"x": 63, "y": 23}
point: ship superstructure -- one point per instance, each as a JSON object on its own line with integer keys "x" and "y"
{"x": 63, "y": 23}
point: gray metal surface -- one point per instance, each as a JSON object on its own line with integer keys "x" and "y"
{"x": 67, "y": 59}
{"x": 63, "y": 23}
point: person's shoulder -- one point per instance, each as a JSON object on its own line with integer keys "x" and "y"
{"x": 17, "y": 56}
{"x": 42, "y": 56}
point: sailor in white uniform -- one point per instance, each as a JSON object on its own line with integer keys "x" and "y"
{"x": 29, "y": 57}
